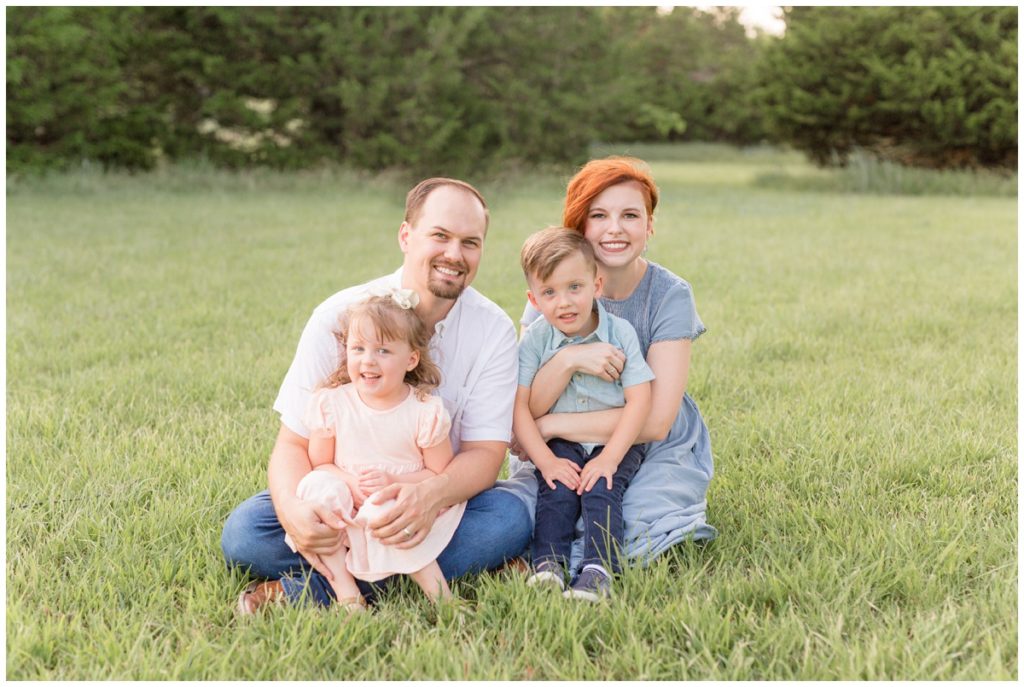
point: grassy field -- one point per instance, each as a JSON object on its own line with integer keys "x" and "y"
{"x": 858, "y": 378}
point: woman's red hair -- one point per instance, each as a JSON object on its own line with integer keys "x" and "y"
{"x": 597, "y": 175}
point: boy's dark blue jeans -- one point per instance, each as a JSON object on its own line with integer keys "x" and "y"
{"x": 558, "y": 510}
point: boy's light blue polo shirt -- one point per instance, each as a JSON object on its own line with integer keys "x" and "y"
{"x": 585, "y": 392}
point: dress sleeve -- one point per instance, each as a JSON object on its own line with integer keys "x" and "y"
{"x": 434, "y": 423}
{"x": 676, "y": 316}
{"x": 320, "y": 412}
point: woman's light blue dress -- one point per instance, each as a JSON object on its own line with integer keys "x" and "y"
{"x": 666, "y": 503}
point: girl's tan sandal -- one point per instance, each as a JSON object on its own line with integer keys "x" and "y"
{"x": 352, "y": 604}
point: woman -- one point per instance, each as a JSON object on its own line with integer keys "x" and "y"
{"x": 611, "y": 202}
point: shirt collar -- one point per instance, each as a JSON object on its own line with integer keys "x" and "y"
{"x": 602, "y": 333}
{"x": 451, "y": 319}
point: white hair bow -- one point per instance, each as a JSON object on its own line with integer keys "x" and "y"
{"x": 406, "y": 299}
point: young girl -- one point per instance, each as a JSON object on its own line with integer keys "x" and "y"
{"x": 373, "y": 423}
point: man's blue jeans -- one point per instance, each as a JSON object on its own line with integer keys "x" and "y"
{"x": 559, "y": 508}
{"x": 495, "y": 528}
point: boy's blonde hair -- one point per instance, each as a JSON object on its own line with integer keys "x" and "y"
{"x": 545, "y": 250}
{"x": 391, "y": 322}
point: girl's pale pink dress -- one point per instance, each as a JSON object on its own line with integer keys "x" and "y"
{"x": 390, "y": 440}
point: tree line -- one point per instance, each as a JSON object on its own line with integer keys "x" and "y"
{"x": 468, "y": 89}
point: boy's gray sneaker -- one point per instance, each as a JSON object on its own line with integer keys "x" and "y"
{"x": 547, "y": 573}
{"x": 593, "y": 584}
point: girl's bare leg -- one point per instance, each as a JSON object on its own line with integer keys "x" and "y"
{"x": 343, "y": 584}
{"x": 432, "y": 582}
{"x": 330, "y": 491}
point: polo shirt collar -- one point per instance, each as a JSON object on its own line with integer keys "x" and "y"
{"x": 602, "y": 333}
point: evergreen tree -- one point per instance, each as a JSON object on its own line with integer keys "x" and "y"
{"x": 69, "y": 96}
{"x": 933, "y": 86}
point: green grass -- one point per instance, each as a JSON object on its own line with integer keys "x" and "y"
{"x": 865, "y": 174}
{"x": 770, "y": 168}
{"x": 858, "y": 379}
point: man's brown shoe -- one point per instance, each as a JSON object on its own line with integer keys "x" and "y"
{"x": 516, "y": 565}
{"x": 259, "y": 594}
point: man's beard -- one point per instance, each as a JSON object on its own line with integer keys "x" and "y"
{"x": 448, "y": 290}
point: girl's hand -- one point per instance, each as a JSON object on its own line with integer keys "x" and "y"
{"x": 562, "y": 470}
{"x": 598, "y": 359}
{"x": 594, "y": 470}
{"x": 374, "y": 480}
{"x": 359, "y": 494}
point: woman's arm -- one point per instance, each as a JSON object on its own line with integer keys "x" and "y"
{"x": 638, "y": 406}
{"x": 636, "y": 409}
{"x": 670, "y": 362}
{"x": 598, "y": 359}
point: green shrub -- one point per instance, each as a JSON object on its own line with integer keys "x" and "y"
{"x": 452, "y": 90}
{"x": 928, "y": 86}
{"x": 688, "y": 76}
{"x": 69, "y": 97}
{"x": 470, "y": 90}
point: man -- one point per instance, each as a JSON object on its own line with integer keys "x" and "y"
{"x": 474, "y": 343}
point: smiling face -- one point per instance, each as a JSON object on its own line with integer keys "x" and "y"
{"x": 376, "y": 367}
{"x": 566, "y": 297}
{"x": 443, "y": 244}
{"x": 618, "y": 225}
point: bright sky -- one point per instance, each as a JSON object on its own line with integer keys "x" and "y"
{"x": 768, "y": 18}
{"x": 765, "y": 17}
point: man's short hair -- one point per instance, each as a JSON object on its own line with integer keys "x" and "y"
{"x": 544, "y": 251}
{"x": 418, "y": 196}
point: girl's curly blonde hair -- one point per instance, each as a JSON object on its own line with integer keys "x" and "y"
{"x": 391, "y": 322}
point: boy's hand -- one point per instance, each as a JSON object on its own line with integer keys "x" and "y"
{"x": 596, "y": 469}
{"x": 562, "y": 470}
{"x": 374, "y": 480}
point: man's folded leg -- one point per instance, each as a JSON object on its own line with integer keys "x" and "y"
{"x": 253, "y": 540}
{"x": 495, "y": 528}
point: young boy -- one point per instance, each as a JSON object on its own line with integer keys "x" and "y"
{"x": 561, "y": 273}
